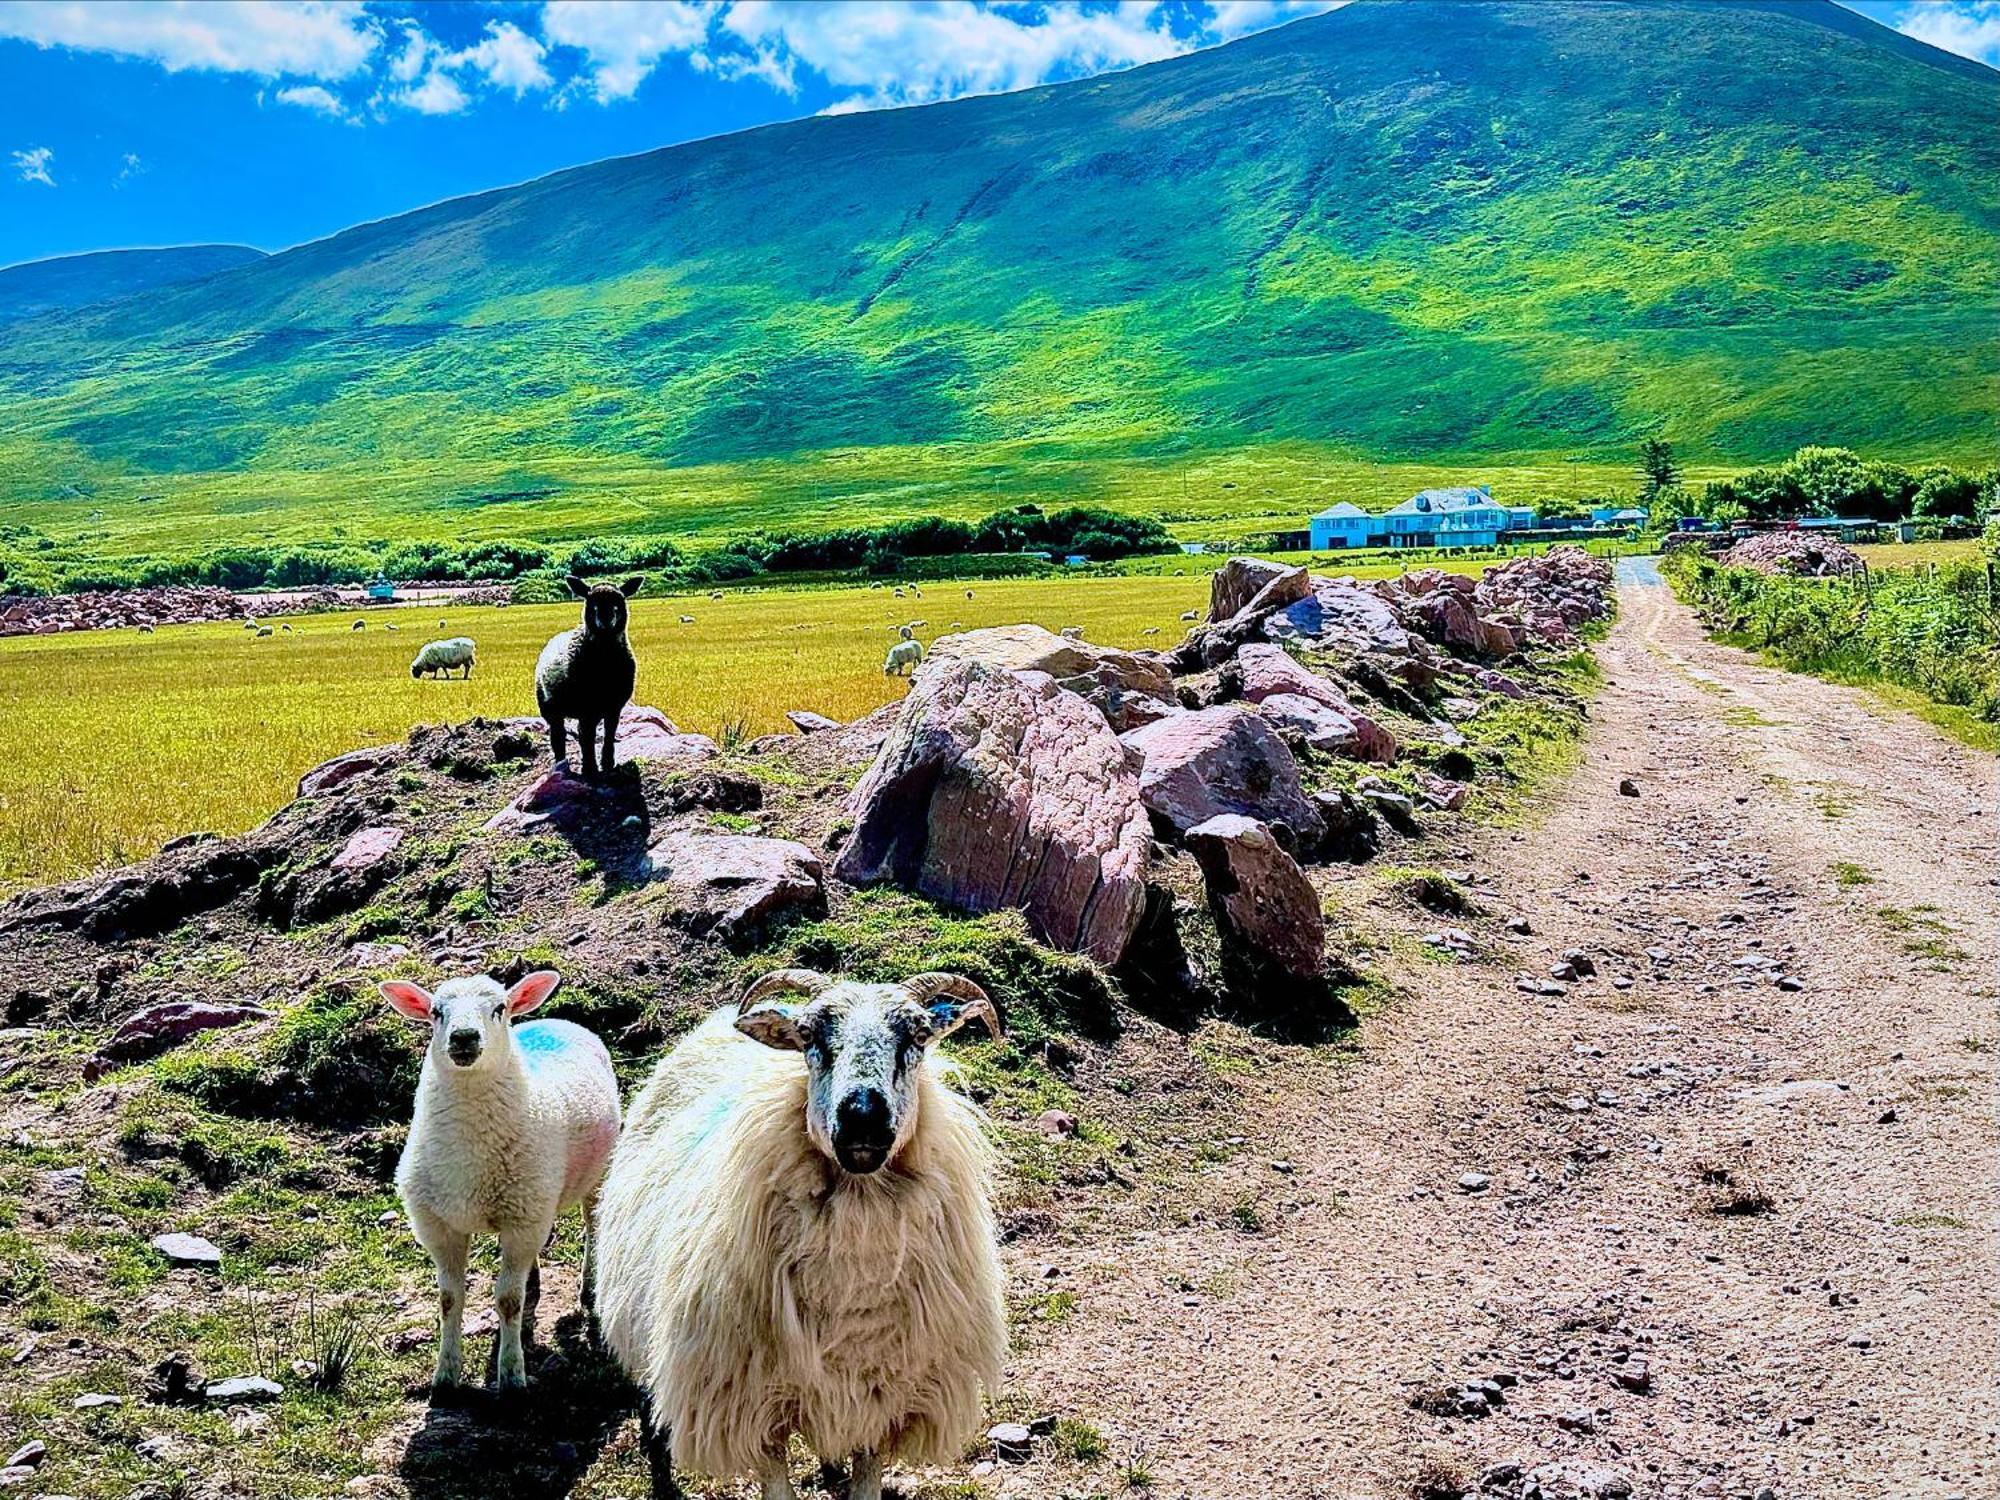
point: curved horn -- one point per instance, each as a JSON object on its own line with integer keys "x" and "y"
{"x": 926, "y": 987}
{"x": 783, "y": 982}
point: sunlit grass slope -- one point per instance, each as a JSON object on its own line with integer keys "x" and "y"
{"x": 1413, "y": 232}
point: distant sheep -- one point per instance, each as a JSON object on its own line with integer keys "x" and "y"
{"x": 439, "y": 657}
{"x": 1190, "y": 614}
{"x": 145, "y": 629}
{"x": 392, "y": 627}
{"x": 903, "y": 658}
{"x": 687, "y": 619}
{"x": 1150, "y": 630}
{"x": 264, "y": 630}
{"x": 586, "y": 675}
{"x": 1072, "y": 632}
{"x": 359, "y": 625}
{"x": 512, "y": 1126}
{"x": 795, "y": 1235}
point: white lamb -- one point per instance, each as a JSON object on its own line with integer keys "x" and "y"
{"x": 903, "y": 658}
{"x": 513, "y": 1125}
{"x": 441, "y": 656}
{"x": 796, "y": 1235}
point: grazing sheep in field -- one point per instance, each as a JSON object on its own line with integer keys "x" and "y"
{"x": 359, "y": 625}
{"x": 919, "y": 593}
{"x": 145, "y": 629}
{"x": 263, "y": 630}
{"x": 1072, "y": 632}
{"x": 286, "y": 628}
{"x": 249, "y": 622}
{"x": 899, "y": 593}
{"x": 392, "y": 627}
{"x": 1190, "y": 614}
{"x": 806, "y": 1245}
{"x": 903, "y": 658}
{"x": 586, "y": 674}
{"x": 439, "y": 657}
{"x": 968, "y": 593}
{"x": 512, "y": 1126}
{"x": 1150, "y": 630}
{"x": 687, "y": 619}
{"x": 715, "y": 593}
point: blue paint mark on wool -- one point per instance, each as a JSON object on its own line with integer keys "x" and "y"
{"x": 539, "y": 1037}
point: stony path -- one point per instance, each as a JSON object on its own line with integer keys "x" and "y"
{"x": 1841, "y": 1342}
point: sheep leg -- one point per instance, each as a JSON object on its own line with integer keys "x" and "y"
{"x": 586, "y": 747}
{"x": 448, "y": 1249}
{"x": 558, "y": 738}
{"x": 776, "y": 1476}
{"x": 587, "y": 1285}
{"x": 864, "y": 1480}
{"x": 658, "y": 1447}
{"x": 518, "y": 1249}
{"x": 607, "y": 753}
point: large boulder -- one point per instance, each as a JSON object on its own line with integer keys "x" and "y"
{"x": 1261, "y": 672}
{"x": 1030, "y": 648}
{"x": 159, "y": 1028}
{"x": 1342, "y": 615}
{"x": 1448, "y": 617}
{"x": 333, "y": 774}
{"x": 1206, "y": 762}
{"x": 729, "y": 885}
{"x": 647, "y": 734}
{"x": 1249, "y": 585}
{"x": 999, "y": 789}
{"x": 1327, "y": 730}
{"x": 1261, "y": 899}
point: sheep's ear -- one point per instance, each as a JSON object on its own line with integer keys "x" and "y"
{"x": 532, "y": 991}
{"x": 950, "y": 1000}
{"x": 631, "y": 586}
{"x": 407, "y": 999}
{"x": 577, "y": 586}
{"x": 775, "y": 1023}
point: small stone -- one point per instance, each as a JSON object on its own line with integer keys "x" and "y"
{"x": 1582, "y": 1419}
{"x": 1474, "y": 1182}
{"x": 188, "y": 1250}
{"x": 1057, "y": 1124}
{"x": 1634, "y": 1375}
{"x": 1764, "y": 1492}
{"x": 242, "y": 1388}
{"x": 1011, "y": 1441}
{"x": 1790, "y": 982}
{"x": 1562, "y": 971}
{"x": 28, "y": 1455}
{"x": 1887, "y": 1117}
{"x": 1520, "y": 928}
{"x": 1580, "y": 961}
{"x": 96, "y": 1401}
{"x": 1627, "y": 787}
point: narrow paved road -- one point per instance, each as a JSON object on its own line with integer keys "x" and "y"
{"x": 1835, "y": 1336}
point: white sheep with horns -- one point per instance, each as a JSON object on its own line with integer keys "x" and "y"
{"x": 796, "y": 1235}
{"x": 513, "y": 1124}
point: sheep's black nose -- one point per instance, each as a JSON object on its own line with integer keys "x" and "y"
{"x": 862, "y": 1130}
{"x": 462, "y": 1045}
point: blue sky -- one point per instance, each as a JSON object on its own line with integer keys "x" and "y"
{"x": 272, "y": 122}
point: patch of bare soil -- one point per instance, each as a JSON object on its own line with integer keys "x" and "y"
{"x": 1716, "y": 1219}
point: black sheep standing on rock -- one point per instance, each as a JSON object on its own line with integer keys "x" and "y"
{"x": 586, "y": 674}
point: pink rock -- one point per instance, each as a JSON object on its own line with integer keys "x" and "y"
{"x": 648, "y": 734}
{"x": 558, "y": 796}
{"x": 1209, "y": 761}
{"x": 997, "y": 789}
{"x": 1253, "y": 586}
{"x": 1442, "y": 791}
{"x": 1030, "y": 648}
{"x": 1343, "y": 615}
{"x": 329, "y": 775}
{"x": 807, "y": 722}
{"x": 1262, "y": 671}
{"x": 1262, "y": 900}
{"x": 158, "y": 1028}
{"x": 367, "y": 848}
{"x": 728, "y": 884}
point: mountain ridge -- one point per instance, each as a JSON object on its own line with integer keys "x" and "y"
{"x": 1404, "y": 230}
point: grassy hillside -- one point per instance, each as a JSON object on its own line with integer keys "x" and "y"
{"x": 65, "y": 282}
{"x": 1511, "y": 236}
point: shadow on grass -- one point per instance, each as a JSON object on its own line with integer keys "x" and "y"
{"x": 477, "y": 1445}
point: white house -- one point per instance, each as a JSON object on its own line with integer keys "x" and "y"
{"x": 1467, "y": 516}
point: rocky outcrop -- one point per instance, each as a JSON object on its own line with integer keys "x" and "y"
{"x": 333, "y": 774}
{"x": 1261, "y": 899}
{"x": 648, "y": 734}
{"x": 1252, "y": 586}
{"x": 998, "y": 789}
{"x": 1261, "y": 672}
{"x": 1795, "y": 552}
{"x": 114, "y": 609}
{"x": 805, "y": 721}
{"x": 144, "y": 900}
{"x": 1030, "y": 648}
{"x": 1544, "y": 599}
{"x": 730, "y": 886}
{"x": 1205, "y": 762}
{"x": 159, "y": 1028}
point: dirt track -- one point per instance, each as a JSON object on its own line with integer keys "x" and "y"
{"x": 1842, "y": 1343}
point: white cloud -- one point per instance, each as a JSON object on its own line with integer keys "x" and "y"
{"x": 324, "y": 39}
{"x": 438, "y": 94}
{"x": 129, "y": 167}
{"x": 408, "y": 62}
{"x": 1228, "y": 19}
{"x": 914, "y": 51}
{"x": 312, "y": 96}
{"x": 1971, "y": 29}
{"x": 33, "y": 165}
{"x": 508, "y": 57}
{"x": 622, "y": 43}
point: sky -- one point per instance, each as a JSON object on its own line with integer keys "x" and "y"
{"x": 274, "y": 122}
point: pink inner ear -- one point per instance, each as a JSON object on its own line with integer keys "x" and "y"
{"x": 407, "y": 999}
{"x": 532, "y": 991}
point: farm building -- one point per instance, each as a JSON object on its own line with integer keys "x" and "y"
{"x": 1466, "y": 516}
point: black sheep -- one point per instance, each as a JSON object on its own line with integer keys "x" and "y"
{"x": 586, "y": 674}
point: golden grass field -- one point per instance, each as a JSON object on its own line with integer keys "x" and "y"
{"x": 113, "y": 742}
{"x": 1919, "y": 554}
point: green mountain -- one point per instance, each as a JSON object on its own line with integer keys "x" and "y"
{"x": 65, "y": 282}
{"x": 1456, "y": 238}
